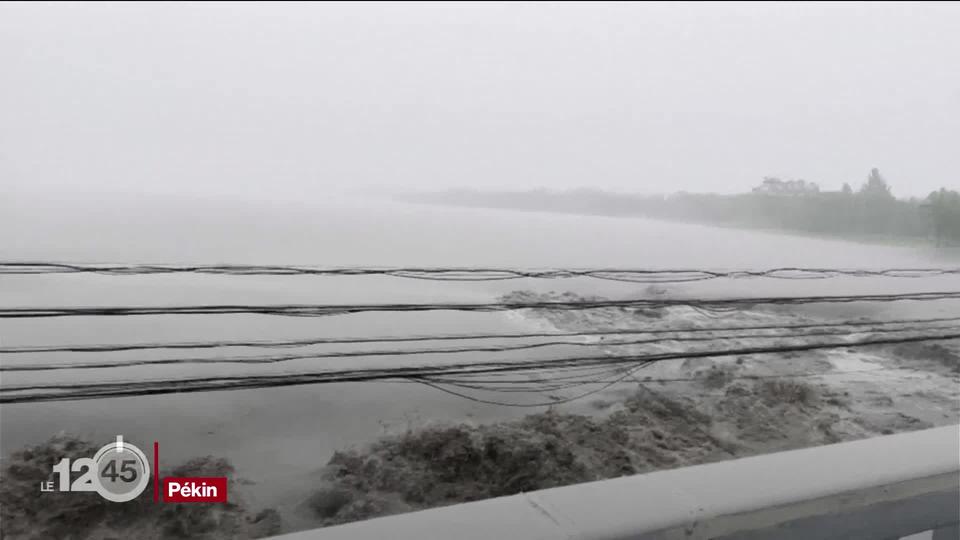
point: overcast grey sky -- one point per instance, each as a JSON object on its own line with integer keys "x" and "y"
{"x": 297, "y": 98}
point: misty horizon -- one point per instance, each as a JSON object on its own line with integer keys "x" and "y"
{"x": 239, "y": 100}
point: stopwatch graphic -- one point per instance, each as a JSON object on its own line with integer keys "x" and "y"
{"x": 122, "y": 471}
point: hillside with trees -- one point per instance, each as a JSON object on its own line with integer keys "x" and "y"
{"x": 870, "y": 212}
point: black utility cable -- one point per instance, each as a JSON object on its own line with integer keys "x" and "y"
{"x": 203, "y": 384}
{"x": 303, "y": 342}
{"x": 316, "y": 310}
{"x": 447, "y": 350}
{"x": 637, "y": 275}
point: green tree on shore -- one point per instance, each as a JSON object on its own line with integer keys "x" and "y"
{"x": 876, "y": 186}
{"x": 870, "y": 212}
{"x": 944, "y": 208}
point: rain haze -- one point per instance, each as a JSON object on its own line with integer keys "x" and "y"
{"x": 355, "y": 260}
{"x": 251, "y": 100}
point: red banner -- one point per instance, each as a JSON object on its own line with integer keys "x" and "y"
{"x": 195, "y": 489}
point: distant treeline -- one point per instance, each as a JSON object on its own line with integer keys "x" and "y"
{"x": 869, "y": 212}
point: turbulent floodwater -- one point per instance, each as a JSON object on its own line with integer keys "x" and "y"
{"x": 278, "y": 437}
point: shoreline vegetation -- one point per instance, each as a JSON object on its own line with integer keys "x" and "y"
{"x": 645, "y": 425}
{"x": 712, "y": 413}
{"x": 870, "y": 214}
{"x": 648, "y": 431}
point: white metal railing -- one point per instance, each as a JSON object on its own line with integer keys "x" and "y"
{"x": 896, "y": 486}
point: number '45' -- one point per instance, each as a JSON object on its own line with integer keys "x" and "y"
{"x": 128, "y": 473}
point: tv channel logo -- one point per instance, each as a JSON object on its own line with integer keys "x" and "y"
{"x": 120, "y": 472}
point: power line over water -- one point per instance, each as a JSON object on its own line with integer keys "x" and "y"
{"x": 633, "y": 275}
{"x": 536, "y": 375}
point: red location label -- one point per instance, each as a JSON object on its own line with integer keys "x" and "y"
{"x": 195, "y": 489}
